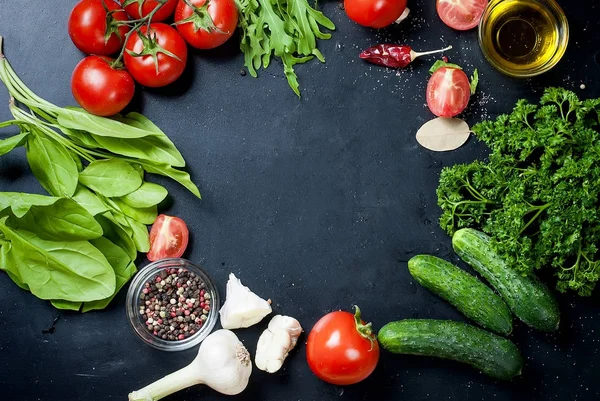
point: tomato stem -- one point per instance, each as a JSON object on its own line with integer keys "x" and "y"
{"x": 365, "y": 330}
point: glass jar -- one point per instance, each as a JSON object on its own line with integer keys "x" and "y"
{"x": 135, "y": 294}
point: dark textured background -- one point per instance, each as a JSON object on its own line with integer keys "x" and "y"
{"x": 315, "y": 203}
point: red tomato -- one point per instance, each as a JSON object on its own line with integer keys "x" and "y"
{"x": 374, "y": 13}
{"x": 99, "y": 88}
{"x": 88, "y": 27}
{"x": 200, "y": 34}
{"x": 168, "y": 238}
{"x": 149, "y": 50}
{"x": 448, "y": 92}
{"x": 338, "y": 353}
{"x": 141, "y": 8}
{"x": 461, "y": 14}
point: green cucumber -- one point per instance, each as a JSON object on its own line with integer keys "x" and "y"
{"x": 529, "y": 299}
{"x": 489, "y": 353}
{"x": 464, "y": 291}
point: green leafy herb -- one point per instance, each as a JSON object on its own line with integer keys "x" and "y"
{"x": 71, "y": 271}
{"x": 77, "y": 247}
{"x": 111, "y": 177}
{"x": 474, "y": 81}
{"x": 538, "y": 194}
{"x": 284, "y": 28}
{"x": 441, "y": 63}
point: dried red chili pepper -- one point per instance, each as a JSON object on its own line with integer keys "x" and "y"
{"x": 394, "y": 56}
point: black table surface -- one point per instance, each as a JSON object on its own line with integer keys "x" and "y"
{"x": 316, "y": 203}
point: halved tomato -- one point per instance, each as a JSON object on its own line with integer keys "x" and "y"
{"x": 168, "y": 238}
{"x": 448, "y": 92}
{"x": 461, "y": 15}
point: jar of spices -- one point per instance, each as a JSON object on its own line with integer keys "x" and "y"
{"x": 172, "y": 304}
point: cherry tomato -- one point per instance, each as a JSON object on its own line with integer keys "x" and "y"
{"x": 89, "y": 27}
{"x": 142, "y": 54}
{"x": 448, "y": 92}
{"x": 99, "y": 88}
{"x": 374, "y": 13}
{"x": 461, "y": 15}
{"x": 141, "y": 8}
{"x": 168, "y": 238}
{"x": 341, "y": 349}
{"x": 200, "y": 32}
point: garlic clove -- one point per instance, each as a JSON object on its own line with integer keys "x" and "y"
{"x": 274, "y": 344}
{"x": 242, "y": 307}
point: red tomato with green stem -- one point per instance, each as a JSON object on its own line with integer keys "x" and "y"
{"x": 374, "y": 13}
{"x": 100, "y": 87}
{"x": 168, "y": 238}
{"x": 341, "y": 349}
{"x": 448, "y": 92}
{"x": 141, "y": 8}
{"x": 97, "y": 27}
{"x": 155, "y": 56}
{"x": 206, "y": 26}
{"x": 461, "y": 15}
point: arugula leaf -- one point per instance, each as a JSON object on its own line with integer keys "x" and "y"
{"x": 52, "y": 165}
{"x": 284, "y": 28}
{"x": 8, "y": 144}
{"x": 64, "y": 220}
{"x": 111, "y": 178}
{"x": 71, "y": 271}
{"x": 149, "y": 194}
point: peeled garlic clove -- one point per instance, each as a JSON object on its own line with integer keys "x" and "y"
{"x": 242, "y": 307}
{"x": 276, "y": 342}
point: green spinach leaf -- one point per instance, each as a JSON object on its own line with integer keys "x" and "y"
{"x": 20, "y": 203}
{"x": 123, "y": 266}
{"x": 79, "y": 119}
{"x": 72, "y": 271}
{"x": 145, "y": 215}
{"x": 52, "y": 165}
{"x": 66, "y": 305}
{"x": 180, "y": 176}
{"x": 140, "y": 236}
{"x": 64, "y": 220}
{"x": 8, "y": 144}
{"x": 111, "y": 178}
{"x": 117, "y": 234}
{"x": 89, "y": 201}
{"x": 149, "y": 194}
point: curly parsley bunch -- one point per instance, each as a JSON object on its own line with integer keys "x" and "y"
{"x": 538, "y": 194}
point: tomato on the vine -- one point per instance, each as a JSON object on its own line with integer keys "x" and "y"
{"x": 374, "y": 13}
{"x": 94, "y": 30}
{"x": 206, "y": 26}
{"x": 156, "y": 56}
{"x": 341, "y": 349}
{"x": 168, "y": 238}
{"x": 100, "y": 88}
{"x": 448, "y": 92}
{"x": 141, "y": 8}
{"x": 461, "y": 15}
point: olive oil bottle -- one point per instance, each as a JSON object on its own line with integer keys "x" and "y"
{"x": 523, "y": 37}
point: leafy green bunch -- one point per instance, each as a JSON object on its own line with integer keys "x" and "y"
{"x": 77, "y": 247}
{"x": 538, "y": 194}
{"x": 288, "y": 29}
